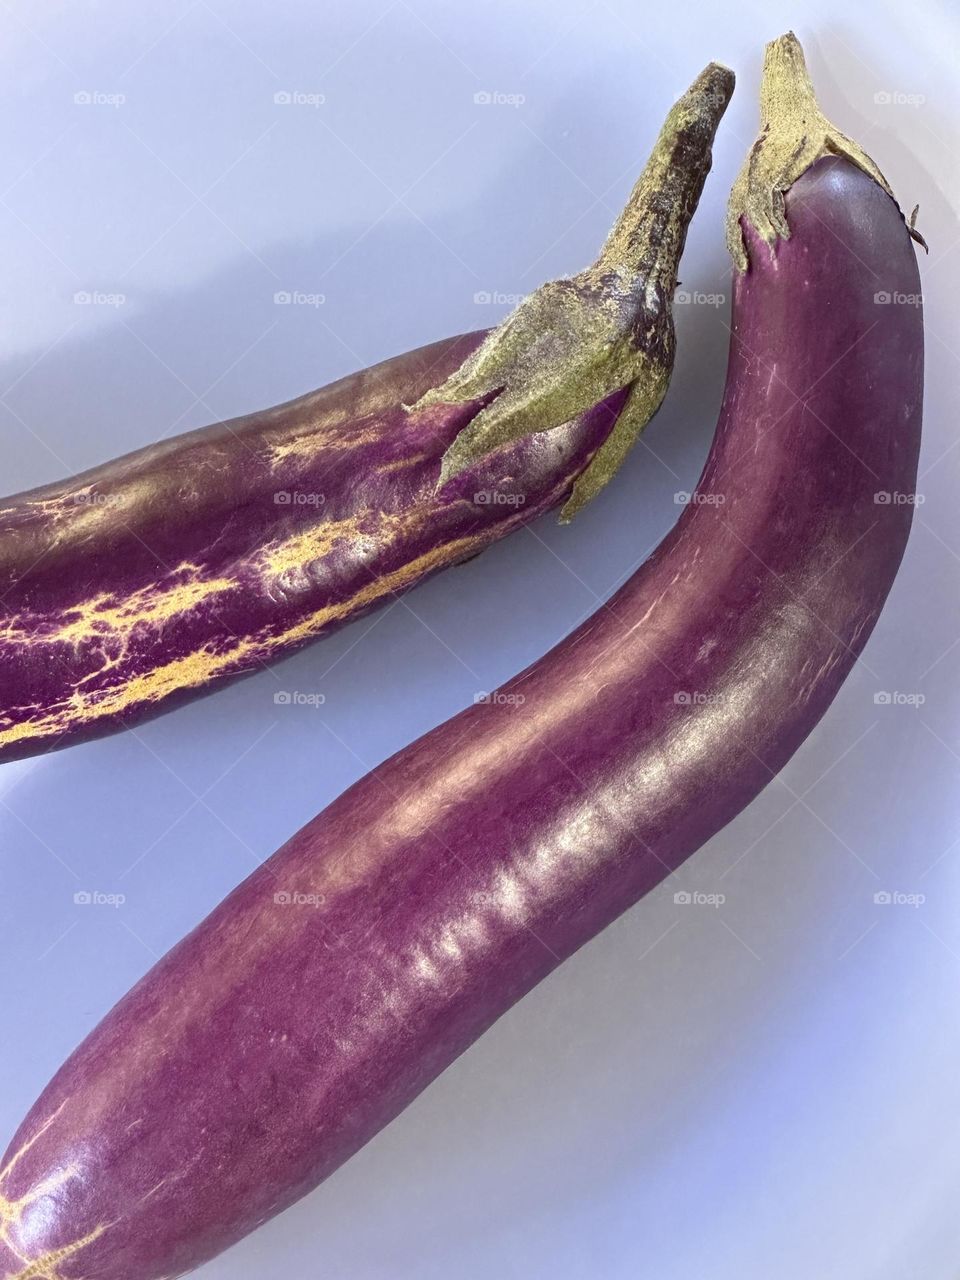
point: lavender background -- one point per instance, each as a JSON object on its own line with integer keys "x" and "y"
{"x": 767, "y": 1085}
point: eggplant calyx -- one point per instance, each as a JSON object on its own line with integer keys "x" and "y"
{"x": 794, "y": 134}
{"x": 574, "y": 342}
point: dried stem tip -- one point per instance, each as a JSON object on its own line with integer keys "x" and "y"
{"x": 794, "y": 134}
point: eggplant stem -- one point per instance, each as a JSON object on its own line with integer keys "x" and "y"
{"x": 574, "y": 342}
{"x": 794, "y": 134}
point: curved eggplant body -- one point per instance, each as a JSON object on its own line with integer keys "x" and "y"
{"x": 373, "y": 948}
{"x": 157, "y": 576}
{"x": 297, "y": 519}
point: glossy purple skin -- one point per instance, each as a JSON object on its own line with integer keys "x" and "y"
{"x": 278, "y": 1037}
{"x": 160, "y": 575}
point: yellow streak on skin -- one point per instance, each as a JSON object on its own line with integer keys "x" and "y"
{"x": 11, "y": 1211}
{"x": 293, "y": 553}
{"x": 45, "y": 1267}
{"x": 99, "y": 620}
{"x": 401, "y": 464}
{"x": 205, "y": 664}
{"x": 73, "y": 504}
{"x": 18, "y": 1155}
{"x": 111, "y": 625}
{"x": 52, "y": 507}
{"x": 314, "y": 442}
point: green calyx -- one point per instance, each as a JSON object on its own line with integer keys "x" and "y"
{"x": 794, "y": 134}
{"x": 574, "y": 342}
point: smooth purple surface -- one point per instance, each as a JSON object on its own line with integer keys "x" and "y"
{"x": 281, "y": 1035}
{"x": 166, "y": 572}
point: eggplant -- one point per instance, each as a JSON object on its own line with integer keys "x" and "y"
{"x": 157, "y": 576}
{"x": 361, "y": 959}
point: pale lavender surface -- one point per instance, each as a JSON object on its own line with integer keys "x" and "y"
{"x": 785, "y": 1084}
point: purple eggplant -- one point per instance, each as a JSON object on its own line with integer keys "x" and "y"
{"x": 157, "y": 576}
{"x": 356, "y": 964}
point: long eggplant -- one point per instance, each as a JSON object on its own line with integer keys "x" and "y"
{"x": 350, "y": 969}
{"x": 157, "y": 576}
